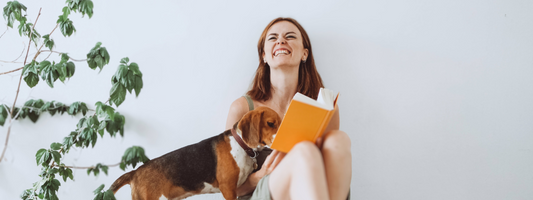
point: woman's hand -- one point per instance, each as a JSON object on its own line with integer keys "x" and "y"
{"x": 319, "y": 142}
{"x": 269, "y": 165}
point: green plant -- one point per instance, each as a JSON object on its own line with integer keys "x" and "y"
{"x": 94, "y": 122}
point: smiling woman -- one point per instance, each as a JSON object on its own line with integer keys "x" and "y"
{"x": 308, "y": 171}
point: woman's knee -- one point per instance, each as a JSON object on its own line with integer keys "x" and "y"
{"x": 306, "y": 152}
{"x": 337, "y": 140}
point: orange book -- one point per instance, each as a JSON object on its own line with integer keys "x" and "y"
{"x": 305, "y": 119}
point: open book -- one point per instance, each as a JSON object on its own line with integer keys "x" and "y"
{"x": 306, "y": 119}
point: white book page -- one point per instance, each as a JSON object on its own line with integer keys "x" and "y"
{"x": 324, "y": 100}
{"x": 320, "y": 98}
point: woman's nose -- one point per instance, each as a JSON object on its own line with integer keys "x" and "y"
{"x": 281, "y": 41}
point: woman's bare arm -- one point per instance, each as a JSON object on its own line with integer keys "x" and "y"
{"x": 237, "y": 109}
{"x": 334, "y": 124}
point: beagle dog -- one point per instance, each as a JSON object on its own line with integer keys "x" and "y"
{"x": 218, "y": 164}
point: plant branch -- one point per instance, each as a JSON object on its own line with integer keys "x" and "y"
{"x": 75, "y": 167}
{"x": 3, "y": 61}
{"x": 91, "y": 167}
{"x": 39, "y": 51}
{"x": 18, "y": 89}
{"x": 49, "y": 55}
{"x": 22, "y": 52}
{"x": 11, "y": 71}
{"x": 77, "y": 60}
{"x": 4, "y": 31}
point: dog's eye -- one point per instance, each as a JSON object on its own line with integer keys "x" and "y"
{"x": 271, "y": 124}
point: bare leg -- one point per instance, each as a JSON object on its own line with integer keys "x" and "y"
{"x": 336, "y": 151}
{"x": 300, "y": 175}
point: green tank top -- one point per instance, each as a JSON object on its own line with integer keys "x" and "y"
{"x": 250, "y": 102}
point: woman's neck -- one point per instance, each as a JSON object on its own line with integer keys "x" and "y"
{"x": 284, "y": 84}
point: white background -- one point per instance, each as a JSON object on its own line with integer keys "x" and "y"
{"x": 437, "y": 96}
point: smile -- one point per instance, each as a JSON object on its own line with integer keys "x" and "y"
{"x": 281, "y": 52}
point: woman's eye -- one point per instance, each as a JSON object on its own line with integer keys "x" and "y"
{"x": 272, "y": 38}
{"x": 291, "y": 36}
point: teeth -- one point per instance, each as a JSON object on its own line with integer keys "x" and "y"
{"x": 281, "y": 52}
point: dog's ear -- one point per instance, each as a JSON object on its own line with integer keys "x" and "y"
{"x": 250, "y": 126}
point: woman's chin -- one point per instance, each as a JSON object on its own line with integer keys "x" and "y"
{"x": 284, "y": 64}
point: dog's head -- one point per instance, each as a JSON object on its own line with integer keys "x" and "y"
{"x": 259, "y": 126}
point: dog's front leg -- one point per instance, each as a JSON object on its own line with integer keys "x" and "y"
{"x": 227, "y": 178}
{"x": 228, "y": 191}
{"x": 227, "y": 181}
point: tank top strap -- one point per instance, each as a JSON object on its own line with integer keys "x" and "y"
{"x": 250, "y": 102}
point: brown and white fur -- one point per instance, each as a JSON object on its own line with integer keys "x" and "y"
{"x": 216, "y": 164}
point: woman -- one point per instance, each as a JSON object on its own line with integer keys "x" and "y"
{"x": 309, "y": 171}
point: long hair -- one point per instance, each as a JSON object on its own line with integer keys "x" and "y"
{"x": 309, "y": 81}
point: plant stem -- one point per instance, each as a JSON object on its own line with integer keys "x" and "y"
{"x": 11, "y": 71}
{"x": 18, "y": 89}
{"x": 74, "y": 167}
{"x": 21, "y": 53}
{"x": 77, "y": 60}
{"x": 4, "y": 31}
{"x": 39, "y": 51}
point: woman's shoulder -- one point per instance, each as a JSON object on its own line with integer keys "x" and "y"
{"x": 240, "y": 105}
{"x": 238, "y": 108}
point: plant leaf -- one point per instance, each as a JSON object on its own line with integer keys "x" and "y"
{"x": 135, "y": 68}
{"x": 30, "y": 74}
{"x": 108, "y": 195}
{"x": 31, "y": 79}
{"x": 66, "y": 26}
{"x": 66, "y": 12}
{"x": 99, "y": 189}
{"x": 55, "y": 146}
{"x": 55, "y": 184}
{"x": 104, "y": 168}
{"x": 26, "y": 194}
{"x": 125, "y": 60}
{"x": 33, "y": 115}
{"x": 3, "y": 114}
{"x": 99, "y": 196}
{"x": 40, "y": 155}
{"x": 98, "y": 57}
{"x": 57, "y": 156}
{"x": 138, "y": 85}
{"x": 73, "y": 109}
{"x": 117, "y": 94}
{"x": 49, "y": 43}
{"x": 48, "y": 72}
{"x": 71, "y": 68}
{"x": 61, "y": 69}
{"x": 121, "y": 71}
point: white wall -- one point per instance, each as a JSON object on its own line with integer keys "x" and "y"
{"x": 436, "y": 96}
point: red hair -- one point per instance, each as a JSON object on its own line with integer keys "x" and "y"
{"x": 309, "y": 81}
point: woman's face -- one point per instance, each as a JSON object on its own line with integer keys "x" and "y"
{"x": 284, "y": 45}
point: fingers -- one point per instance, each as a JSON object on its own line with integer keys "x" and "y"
{"x": 278, "y": 159}
{"x": 272, "y": 161}
{"x": 319, "y": 142}
{"x": 265, "y": 168}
